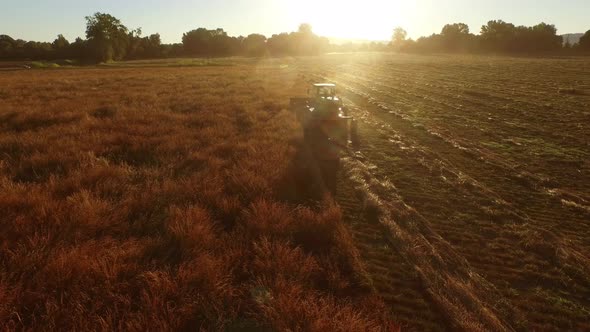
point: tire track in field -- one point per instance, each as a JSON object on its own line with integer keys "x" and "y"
{"x": 506, "y": 176}
{"x": 432, "y": 101}
{"x": 455, "y": 93}
{"x": 461, "y": 110}
{"x": 467, "y": 300}
{"x": 545, "y": 188}
{"x": 482, "y": 218}
{"x": 392, "y": 275}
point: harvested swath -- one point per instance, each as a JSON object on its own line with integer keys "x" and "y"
{"x": 501, "y": 176}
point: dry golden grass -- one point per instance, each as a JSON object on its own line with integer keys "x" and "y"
{"x": 163, "y": 199}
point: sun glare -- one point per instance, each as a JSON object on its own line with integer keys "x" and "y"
{"x": 368, "y": 19}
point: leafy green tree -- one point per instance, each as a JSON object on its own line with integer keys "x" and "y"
{"x": 498, "y": 36}
{"x": 172, "y": 50}
{"x": 456, "y": 29}
{"x": 430, "y": 44}
{"x": 107, "y": 37}
{"x": 278, "y": 44}
{"x": 60, "y": 42}
{"x": 134, "y": 44}
{"x": 584, "y": 43}
{"x": 79, "y": 49}
{"x": 220, "y": 44}
{"x": 37, "y": 51}
{"x": 541, "y": 38}
{"x": 153, "y": 46}
{"x": 399, "y": 38}
{"x": 196, "y": 42}
{"x": 306, "y": 28}
{"x": 61, "y": 47}
{"x": 455, "y": 37}
{"x": 6, "y": 47}
{"x": 204, "y": 42}
{"x": 301, "y": 42}
{"x": 254, "y": 45}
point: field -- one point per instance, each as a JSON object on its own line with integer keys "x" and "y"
{"x": 163, "y": 199}
{"x": 170, "y": 196}
{"x": 491, "y": 160}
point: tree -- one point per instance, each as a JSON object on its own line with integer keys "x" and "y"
{"x": 455, "y": 37}
{"x": 203, "y": 42}
{"x": 428, "y": 44}
{"x": 399, "y": 38}
{"x": 37, "y": 50}
{"x": 584, "y": 43}
{"x": 254, "y": 45}
{"x": 79, "y": 49}
{"x": 455, "y": 29}
{"x": 305, "y": 42}
{"x": 60, "y": 42}
{"x": 153, "y": 47}
{"x": 542, "y": 38}
{"x": 498, "y": 36}
{"x": 107, "y": 37}
{"x": 305, "y": 28}
{"x": 172, "y": 50}
{"x": 61, "y": 47}
{"x": 278, "y": 44}
{"x": 220, "y": 43}
{"x": 135, "y": 44}
{"x": 196, "y": 42}
{"x": 7, "y": 45}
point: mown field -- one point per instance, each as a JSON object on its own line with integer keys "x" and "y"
{"x": 163, "y": 196}
{"x": 483, "y": 166}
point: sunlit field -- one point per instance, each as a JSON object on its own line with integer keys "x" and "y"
{"x": 164, "y": 199}
{"x": 170, "y": 195}
{"x": 481, "y": 166}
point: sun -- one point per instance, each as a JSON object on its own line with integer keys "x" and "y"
{"x": 364, "y": 19}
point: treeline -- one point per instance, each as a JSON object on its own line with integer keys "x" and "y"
{"x": 137, "y": 48}
{"x": 108, "y": 39}
{"x": 203, "y": 42}
{"x": 494, "y": 37}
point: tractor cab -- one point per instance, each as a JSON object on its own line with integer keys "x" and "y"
{"x": 325, "y": 92}
{"x": 324, "y": 113}
{"x": 324, "y": 100}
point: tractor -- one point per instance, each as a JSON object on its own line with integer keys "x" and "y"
{"x": 323, "y": 110}
{"x": 328, "y": 129}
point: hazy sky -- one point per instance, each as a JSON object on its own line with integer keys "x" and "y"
{"x": 367, "y": 19}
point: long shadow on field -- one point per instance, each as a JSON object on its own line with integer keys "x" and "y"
{"x": 305, "y": 183}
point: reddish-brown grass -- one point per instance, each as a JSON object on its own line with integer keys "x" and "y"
{"x": 140, "y": 199}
